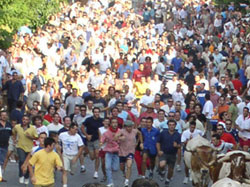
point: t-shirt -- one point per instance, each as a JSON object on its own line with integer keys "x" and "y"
{"x": 167, "y": 140}
{"x": 128, "y": 145}
{"x": 44, "y": 163}
{"x": 71, "y": 102}
{"x": 70, "y": 143}
{"x": 24, "y": 142}
{"x": 54, "y": 128}
{"x": 92, "y": 125}
{"x": 5, "y": 133}
{"x": 187, "y": 134}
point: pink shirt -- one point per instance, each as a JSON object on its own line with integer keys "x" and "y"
{"x": 111, "y": 145}
{"x": 128, "y": 145}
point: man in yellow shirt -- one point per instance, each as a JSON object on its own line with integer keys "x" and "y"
{"x": 45, "y": 161}
{"x": 26, "y": 133}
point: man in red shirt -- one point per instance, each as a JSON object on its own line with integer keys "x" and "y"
{"x": 139, "y": 73}
{"x": 237, "y": 83}
{"x": 226, "y": 137}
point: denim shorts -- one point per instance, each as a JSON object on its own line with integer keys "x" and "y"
{"x": 3, "y": 153}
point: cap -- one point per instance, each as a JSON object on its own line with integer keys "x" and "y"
{"x": 129, "y": 123}
{"x": 150, "y": 105}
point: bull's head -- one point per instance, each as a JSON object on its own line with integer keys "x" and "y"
{"x": 204, "y": 158}
{"x": 238, "y": 164}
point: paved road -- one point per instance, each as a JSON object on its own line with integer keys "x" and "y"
{"x": 77, "y": 180}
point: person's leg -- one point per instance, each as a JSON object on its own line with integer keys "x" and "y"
{"x": 129, "y": 166}
{"x": 138, "y": 161}
{"x": 122, "y": 164}
{"x": 108, "y": 166}
{"x": 144, "y": 163}
{"x": 3, "y": 157}
{"x": 21, "y": 156}
{"x": 115, "y": 162}
{"x": 162, "y": 165}
{"x": 178, "y": 167}
{"x": 26, "y": 175}
{"x": 152, "y": 163}
{"x": 66, "y": 165}
{"x": 97, "y": 160}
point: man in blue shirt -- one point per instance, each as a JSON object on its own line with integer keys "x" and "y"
{"x": 150, "y": 137}
{"x": 176, "y": 62}
{"x": 168, "y": 143}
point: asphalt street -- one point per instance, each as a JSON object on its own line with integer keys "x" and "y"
{"x": 78, "y": 179}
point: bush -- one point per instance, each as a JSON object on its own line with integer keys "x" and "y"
{"x": 16, "y": 13}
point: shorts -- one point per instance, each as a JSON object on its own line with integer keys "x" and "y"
{"x": 93, "y": 145}
{"x": 169, "y": 158}
{"x": 102, "y": 154}
{"x": 244, "y": 143}
{"x": 84, "y": 140}
{"x": 67, "y": 163}
{"x": 146, "y": 151}
{"x": 3, "y": 153}
{"x": 123, "y": 159}
{"x": 49, "y": 185}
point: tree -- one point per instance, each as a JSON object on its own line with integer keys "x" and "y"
{"x": 16, "y": 13}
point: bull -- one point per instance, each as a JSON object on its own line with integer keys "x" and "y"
{"x": 238, "y": 166}
{"x": 226, "y": 182}
{"x": 199, "y": 156}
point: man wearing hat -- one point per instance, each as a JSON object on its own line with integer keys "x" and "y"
{"x": 127, "y": 148}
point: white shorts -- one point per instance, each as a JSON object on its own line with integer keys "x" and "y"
{"x": 67, "y": 163}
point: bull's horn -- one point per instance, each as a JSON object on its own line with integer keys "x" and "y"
{"x": 224, "y": 159}
{"x": 247, "y": 181}
{"x": 247, "y": 157}
{"x": 211, "y": 163}
{"x": 190, "y": 150}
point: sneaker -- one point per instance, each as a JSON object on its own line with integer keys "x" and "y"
{"x": 143, "y": 177}
{"x": 110, "y": 185}
{"x": 26, "y": 181}
{"x": 185, "y": 181}
{"x": 126, "y": 183}
{"x": 95, "y": 175}
{"x": 167, "y": 182}
{"x": 83, "y": 169}
{"x": 21, "y": 180}
{"x": 151, "y": 175}
{"x": 162, "y": 175}
{"x": 104, "y": 179}
{"x": 178, "y": 168}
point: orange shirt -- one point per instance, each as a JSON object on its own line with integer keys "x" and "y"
{"x": 223, "y": 108}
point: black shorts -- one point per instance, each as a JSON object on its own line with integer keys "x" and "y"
{"x": 169, "y": 158}
{"x": 123, "y": 159}
{"x": 151, "y": 156}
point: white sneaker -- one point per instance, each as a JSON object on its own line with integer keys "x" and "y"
{"x": 21, "y": 180}
{"x": 126, "y": 183}
{"x": 95, "y": 175}
{"x": 26, "y": 181}
{"x": 178, "y": 168}
{"x": 110, "y": 185}
{"x": 185, "y": 181}
{"x": 65, "y": 185}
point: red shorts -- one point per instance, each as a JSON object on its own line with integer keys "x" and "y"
{"x": 102, "y": 154}
{"x": 244, "y": 143}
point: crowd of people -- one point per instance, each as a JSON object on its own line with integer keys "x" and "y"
{"x": 118, "y": 85}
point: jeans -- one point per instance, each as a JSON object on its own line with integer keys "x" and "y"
{"x": 3, "y": 153}
{"x": 111, "y": 163}
{"x": 22, "y": 156}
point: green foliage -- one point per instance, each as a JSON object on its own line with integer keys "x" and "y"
{"x": 16, "y": 13}
{"x": 227, "y": 2}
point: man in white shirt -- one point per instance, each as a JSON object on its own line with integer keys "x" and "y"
{"x": 146, "y": 99}
{"x": 208, "y": 112}
{"x": 72, "y": 147}
{"x": 55, "y": 126}
{"x": 187, "y": 135}
{"x": 243, "y": 104}
{"x": 179, "y": 95}
{"x": 243, "y": 125}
